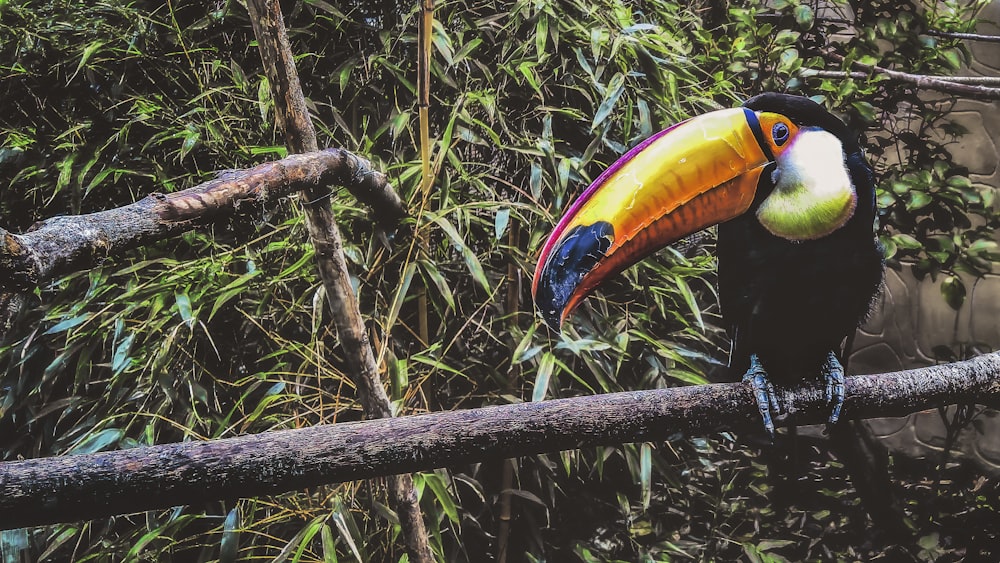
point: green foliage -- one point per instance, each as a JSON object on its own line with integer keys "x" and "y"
{"x": 221, "y": 333}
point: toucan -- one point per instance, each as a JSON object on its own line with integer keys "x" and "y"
{"x": 799, "y": 260}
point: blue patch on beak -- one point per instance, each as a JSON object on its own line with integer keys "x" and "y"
{"x": 572, "y": 259}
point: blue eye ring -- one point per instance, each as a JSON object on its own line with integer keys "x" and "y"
{"x": 779, "y": 133}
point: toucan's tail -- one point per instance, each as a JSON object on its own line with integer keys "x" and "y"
{"x": 867, "y": 463}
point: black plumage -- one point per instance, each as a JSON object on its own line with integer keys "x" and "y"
{"x": 792, "y": 302}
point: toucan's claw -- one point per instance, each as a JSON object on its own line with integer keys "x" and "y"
{"x": 763, "y": 391}
{"x": 833, "y": 375}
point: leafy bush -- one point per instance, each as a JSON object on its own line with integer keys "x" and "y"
{"x": 221, "y": 333}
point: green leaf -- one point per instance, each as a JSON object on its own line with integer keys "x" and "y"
{"x": 120, "y": 360}
{"x": 545, "y": 366}
{"x": 981, "y": 246}
{"x": 471, "y": 260}
{"x": 691, "y": 302}
{"x": 307, "y": 534}
{"x": 917, "y": 200}
{"x": 52, "y": 544}
{"x": 541, "y": 34}
{"x": 184, "y": 307}
{"x": 329, "y": 545}
{"x": 906, "y": 242}
{"x": 889, "y": 246}
{"x": 500, "y": 224}
{"x": 88, "y": 52}
{"x": 952, "y": 58}
{"x": 614, "y": 91}
{"x": 804, "y": 15}
{"x": 98, "y": 441}
{"x": 67, "y": 324}
{"x": 466, "y": 50}
{"x": 865, "y": 110}
{"x": 264, "y": 101}
{"x": 527, "y": 70}
{"x": 444, "y": 498}
{"x": 953, "y": 291}
{"x": 328, "y": 8}
{"x": 400, "y": 296}
{"x": 348, "y": 528}
{"x": 646, "y": 473}
{"x": 930, "y": 541}
{"x": 230, "y": 545}
{"x": 65, "y": 167}
{"x": 961, "y": 182}
{"x": 444, "y": 290}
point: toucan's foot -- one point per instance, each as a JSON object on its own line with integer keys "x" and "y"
{"x": 833, "y": 375}
{"x": 763, "y": 391}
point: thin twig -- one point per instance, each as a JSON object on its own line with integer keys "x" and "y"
{"x": 840, "y": 74}
{"x": 928, "y": 82}
{"x": 966, "y": 36}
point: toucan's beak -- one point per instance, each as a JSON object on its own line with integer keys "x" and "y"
{"x": 693, "y": 175}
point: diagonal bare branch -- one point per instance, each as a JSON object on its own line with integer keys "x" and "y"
{"x": 70, "y": 243}
{"x": 300, "y": 136}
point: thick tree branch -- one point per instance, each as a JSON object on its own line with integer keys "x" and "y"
{"x": 71, "y": 243}
{"x": 300, "y": 136}
{"x": 60, "y": 489}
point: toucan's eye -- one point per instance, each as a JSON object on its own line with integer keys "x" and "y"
{"x": 779, "y": 133}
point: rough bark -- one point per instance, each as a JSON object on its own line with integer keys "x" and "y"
{"x": 44, "y": 491}
{"x": 292, "y": 111}
{"x": 841, "y": 74}
{"x": 71, "y": 243}
{"x": 928, "y": 82}
{"x": 293, "y": 118}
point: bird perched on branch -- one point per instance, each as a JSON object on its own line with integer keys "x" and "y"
{"x": 800, "y": 264}
{"x": 799, "y": 261}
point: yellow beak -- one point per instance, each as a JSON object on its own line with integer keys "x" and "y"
{"x": 698, "y": 173}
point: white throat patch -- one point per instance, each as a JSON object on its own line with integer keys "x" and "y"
{"x": 813, "y": 195}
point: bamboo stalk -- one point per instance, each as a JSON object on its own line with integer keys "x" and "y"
{"x": 423, "y": 108}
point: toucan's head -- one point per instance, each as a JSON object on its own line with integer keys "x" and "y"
{"x": 695, "y": 174}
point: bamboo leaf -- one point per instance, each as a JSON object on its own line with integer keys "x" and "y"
{"x": 88, "y": 52}
{"x": 400, "y": 297}
{"x": 67, "y": 324}
{"x": 329, "y": 544}
{"x": 615, "y": 88}
{"x": 501, "y": 221}
{"x": 229, "y": 546}
{"x": 471, "y": 260}
{"x": 98, "y": 441}
{"x": 545, "y": 367}
{"x": 646, "y": 473}
{"x": 348, "y": 528}
{"x": 440, "y": 490}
